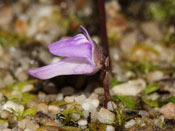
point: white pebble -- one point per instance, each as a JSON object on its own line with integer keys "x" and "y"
{"x": 53, "y": 109}
{"x": 111, "y": 106}
{"x": 105, "y": 116}
{"x": 42, "y": 107}
{"x": 1, "y": 51}
{"x": 27, "y": 129}
{"x": 27, "y": 88}
{"x": 93, "y": 96}
{"x": 130, "y": 88}
{"x": 110, "y": 128}
{"x": 80, "y": 99}
{"x": 143, "y": 113}
{"x": 90, "y": 104}
{"x": 5, "y": 114}
{"x": 99, "y": 90}
{"x": 82, "y": 122}
{"x": 8, "y": 79}
{"x": 86, "y": 106}
{"x": 95, "y": 102}
{"x": 12, "y": 105}
{"x": 75, "y": 116}
{"x": 154, "y": 76}
{"x": 69, "y": 99}
{"x": 7, "y": 129}
{"x": 130, "y": 123}
{"x": 59, "y": 97}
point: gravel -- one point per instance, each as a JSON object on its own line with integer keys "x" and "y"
{"x": 142, "y": 54}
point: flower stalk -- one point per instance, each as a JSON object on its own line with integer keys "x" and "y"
{"x": 104, "y": 40}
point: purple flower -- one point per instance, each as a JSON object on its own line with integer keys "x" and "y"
{"x": 82, "y": 56}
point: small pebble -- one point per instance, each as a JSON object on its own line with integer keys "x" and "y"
{"x": 27, "y": 88}
{"x": 59, "y": 97}
{"x": 10, "y": 104}
{"x": 28, "y": 123}
{"x": 143, "y": 113}
{"x": 5, "y": 114}
{"x": 82, "y": 122}
{"x": 86, "y": 106}
{"x": 168, "y": 110}
{"x": 110, "y": 128}
{"x": 7, "y": 130}
{"x": 33, "y": 103}
{"x": 93, "y": 96}
{"x": 53, "y": 109}
{"x": 95, "y": 102}
{"x": 99, "y": 90}
{"x": 90, "y": 104}
{"x": 69, "y": 99}
{"x": 105, "y": 116}
{"x": 43, "y": 107}
{"x": 130, "y": 88}
{"x": 80, "y": 99}
{"x": 27, "y": 129}
{"x": 154, "y": 76}
{"x": 130, "y": 123}
{"x": 8, "y": 79}
{"x": 152, "y": 30}
{"x": 1, "y": 51}
{"x": 21, "y": 75}
{"x": 111, "y": 106}
{"x": 42, "y": 96}
{"x": 75, "y": 116}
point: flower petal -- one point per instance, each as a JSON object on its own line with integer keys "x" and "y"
{"x": 77, "y": 46}
{"x": 67, "y": 66}
{"x": 86, "y": 34}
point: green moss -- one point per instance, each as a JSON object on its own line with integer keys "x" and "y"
{"x": 128, "y": 101}
{"x": 114, "y": 37}
{"x": 9, "y": 38}
{"x": 97, "y": 126}
{"x": 20, "y": 85}
{"x": 150, "y": 102}
{"x": 59, "y": 103}
{"x": 30, "y": 111}
{"x": 115, "y": 82}
{"x": 144, "y": 47}
{"x": 3, "y": 121}
{"x": 26, "y": 97}
{"x": 18, "y": 113}
{"x": 69, "y": 111}
{"x": 6, "y": 92}
{"x": 162, "y": 11}
{"x": 144, "y": 66}
{"x": 151, "y": 88}
{"x": 23, "y": 98}
{"x": 169, "y": 37}
{"x": 48, "y": 128}
{"x": 170, "y": 99}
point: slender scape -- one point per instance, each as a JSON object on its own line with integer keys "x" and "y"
{"x": 103, "y": 36}
{"x": 103, "y": 33}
